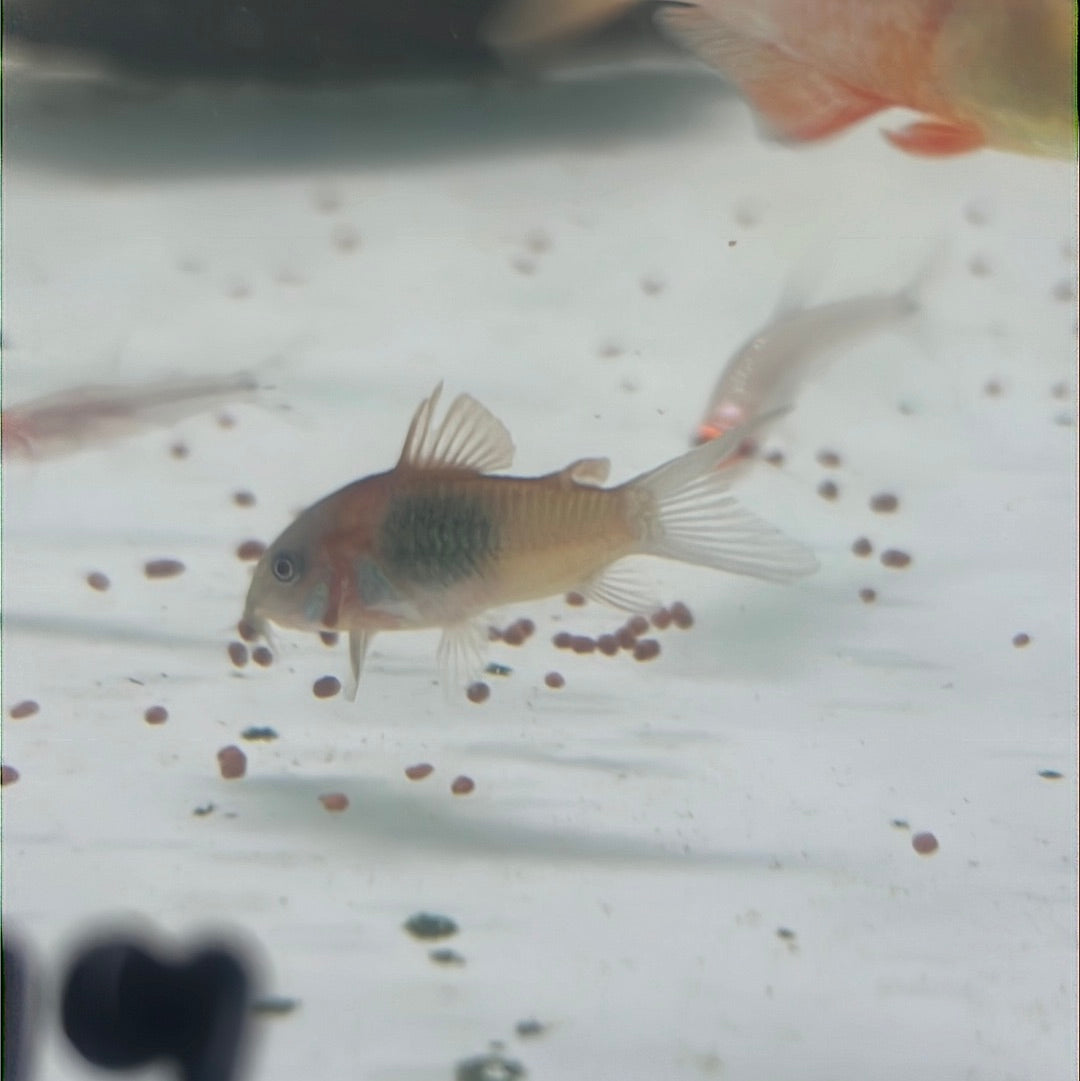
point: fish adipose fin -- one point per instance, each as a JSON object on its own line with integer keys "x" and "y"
{"x": 358, "y": 647}
{"x": 795, "y": 101}
{"x": 937, "y": 138}
{"x": 691, "y": 516}
{"x": 469, "y": 437}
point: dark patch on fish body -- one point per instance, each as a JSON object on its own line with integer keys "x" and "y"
{"x": 436, "y": 539}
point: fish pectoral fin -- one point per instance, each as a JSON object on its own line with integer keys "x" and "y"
{"x": 622, "y": 586}
{"x": 469, "y": 437}
{"x": 358, "y": 647}
{"x": 591, "y": 472}
{"x": 462, "y": 653}
{"x": 937, "y": 138}
{"x": 795, "y": 100}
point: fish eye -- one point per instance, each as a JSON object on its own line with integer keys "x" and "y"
{"x": 285, "y": 567}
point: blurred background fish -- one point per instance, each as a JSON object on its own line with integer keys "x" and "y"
{"x": 985, "y": 73}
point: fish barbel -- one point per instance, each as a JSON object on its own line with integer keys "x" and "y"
{"x": 994, "y": 73}
{"x": 438, "y": 540}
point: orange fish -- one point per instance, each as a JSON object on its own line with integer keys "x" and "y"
{"x": 438, "y": 540}
{"x": 984, "y": 73}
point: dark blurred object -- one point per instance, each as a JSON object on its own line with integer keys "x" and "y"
{"x": 123, "y": 1007}
{"x": 280, "y": 40}
{"x": 17, "y": 1030}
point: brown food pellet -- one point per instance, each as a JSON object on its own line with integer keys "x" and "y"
{"x": 244, "y": 498}
{"x": 326, "y": 687}
{"x": 232, "y": 762}
{"x": 562, "y": 640}
{"x": 661, "y": 619}
{"x": 575, "y": 600}
{"x": 893, "y": 557}
{"x": 1064, "y": 291}
{"x": 582, "y": 643}
{"x": 652, "y": 285}
{"x": 992, "y": 388}
{"x": 924, "y": 843}
{"x": 250, "y": 550}
{"x": 1061, "y": 391}
{"x": 774, "y": 457}
{"x": 179, "y": 450}
{"x": 247, "y": 631}
{"x": 226, "y": 421}
{"x": 335, "y": 801}
{"x": 979, "y": 266}
{"x": 513, "y": 635}
{"x": 462, "y": 786}
{"x": 526, "y": 626}
{"x": 867, "y": 595}
{"x": 625, "y": 637}
{"x": 345, "y": 238}
{"x": 8, "y": 775}
{"x": 156, "y": 715}
{"x": 1020, "y": 640}
{"x": 238, "y": 654}
{"x": 638, "y": 625}
{"x": 97, "y": 580}
{"x": 538, "y": 241}
{"x": 861, "y": 546}
{"x": 328, "y": 638}
{"x": 827, "y": 489}
{"x": 555, "y": 680}
{"x": 828, "y": 458}
{"x": 27, "y": 708}
{"x": 163, "y": 568}
{"x": 884, "y": 503}
{"x": 646, "y": 649}
{"x": 262, "y": 656}
{"x": 478, "y": 692}
{"x": 681, "y": 616}
{"x": 608, "y": 644}
{"x": 419, "y": 771}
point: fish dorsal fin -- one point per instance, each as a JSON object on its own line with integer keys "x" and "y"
{"x": 469, "y": 437}
{"x": 591, "y": 472}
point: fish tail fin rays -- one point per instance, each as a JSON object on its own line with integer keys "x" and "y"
{"x": 517, "y": 25}
{"x": 468, "y": 438}
{"x": 358, "y": 647}
{"x": 795, "y": 101}
{"x": 689, "y": 514}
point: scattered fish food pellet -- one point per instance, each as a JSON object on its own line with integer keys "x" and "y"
{"x": 638, "y": 625}
{"x": 156, "y": 715}
{"x": 867, "y": 595}
{"x": 428, "y": 925}
{"x": 1050, "y": 775}
{"x": 513, "y": 635}
{"x": 884, "y": 503}
{"x": 555, "y": 680}
{"x": 250, "y": 550}
{"x": 626, "y": 638}
{"x": 179, "y": 450}
{"x": 828, "y": 458}
{"x": 1020, "y": 640}
{"x": 98, "y": 581}
{"x": 861, "y": 546}
{"x": 244, "y": 498}
{"x": 924, "y": 843}
{"x": 774, "y": 457}
{"x": 232, "y": 762}
{"x": 326, "y": 687}
{"x": 8, "y": 775}
{"x": 894, "y": 557}
{"x": 562, "y": 640}
{"x": 419, "y": 771}
{"x": 247, "y": 631}
{"x": 27, "y": 708}
{"x": 661, "y": 619}
{"x": 335, "y": 801}
{"x": 582, "y": 643}
{"x": 646, "y": 649}
{"x": 828, "y": 489}
{"x": 608, "y": 644}
{"x": 238, "y": 654}
{"x": 652, "y": 285}
{"x": 262, "y": 656}
{"x": 478, "y": 692}
{"x": 445, "y": 956}
{"x": 259, "y": 734}
{"x": 575, "y": 600}
{"x": 462, "y": 785}
{"x": 163, "y": 568}
{"x": 681, "y": 616}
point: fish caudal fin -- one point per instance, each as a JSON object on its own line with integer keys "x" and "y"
{"x": 796, "y": 101}
{"x": 690, "y": 515}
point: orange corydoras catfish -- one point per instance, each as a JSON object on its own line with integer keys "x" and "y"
{"x": 996, "y": 73}
{"x": 437, "y": 541}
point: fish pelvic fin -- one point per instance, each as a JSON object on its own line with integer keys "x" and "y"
{"x": 358, "y": 647}
{"x": 937, "y": 138}
{"x": 796, "y": 101}
{"x": 468, "y": 438}
{"x": 462, "y": 654}
{"x": 689, "y": 514}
